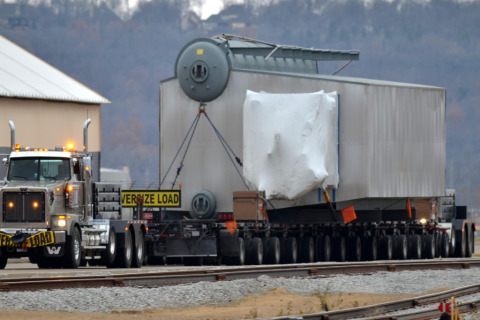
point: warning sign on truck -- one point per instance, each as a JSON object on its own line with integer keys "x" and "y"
{"x": 151, "y": 198}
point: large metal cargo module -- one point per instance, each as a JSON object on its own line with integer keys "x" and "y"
{"x": 391, "y": 137}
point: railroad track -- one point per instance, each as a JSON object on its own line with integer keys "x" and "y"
{"x": 224, "y": 274}
{"x": 419, "y": 308}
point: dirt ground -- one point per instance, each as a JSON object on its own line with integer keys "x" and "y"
{"x": 275, "y": 303}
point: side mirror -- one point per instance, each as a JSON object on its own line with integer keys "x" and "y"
{"x": 5, "y": 161}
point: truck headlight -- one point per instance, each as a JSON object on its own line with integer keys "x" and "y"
{"x": 59, "y": 221}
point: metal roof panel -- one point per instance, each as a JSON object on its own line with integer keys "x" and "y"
{"x": 24, "y": 75}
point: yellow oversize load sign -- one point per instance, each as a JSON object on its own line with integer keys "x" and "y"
{"x": 39, "y": 239}
{"x": 149, "y": 198}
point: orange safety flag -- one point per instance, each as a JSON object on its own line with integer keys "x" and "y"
{"x": 409, "y": 209}
{"x": 349, "y": 214}
{"x": 231, "y": 226}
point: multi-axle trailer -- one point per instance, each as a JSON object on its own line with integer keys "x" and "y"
{"x": 278, "y": 163}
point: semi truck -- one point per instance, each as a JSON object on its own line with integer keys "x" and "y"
{"x": 53, "y": 213}
{"x": 278, "y": 163}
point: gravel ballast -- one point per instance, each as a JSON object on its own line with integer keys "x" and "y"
{"x": 108, "y": 299}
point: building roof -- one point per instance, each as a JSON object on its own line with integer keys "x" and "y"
{"x": 23, "y": 75}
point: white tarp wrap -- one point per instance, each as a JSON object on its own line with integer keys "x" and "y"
{"x": 290, "y": 142}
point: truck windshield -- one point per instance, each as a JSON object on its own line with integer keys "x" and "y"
{"x": 39, "y": 169}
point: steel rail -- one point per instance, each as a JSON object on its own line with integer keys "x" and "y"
{"x": 189, "y": 276}
{"x": 380, "y": 311}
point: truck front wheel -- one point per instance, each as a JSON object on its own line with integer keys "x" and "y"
{"x": 73, "y": 253}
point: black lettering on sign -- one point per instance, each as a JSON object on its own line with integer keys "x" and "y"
{"x": 42, "y": 239}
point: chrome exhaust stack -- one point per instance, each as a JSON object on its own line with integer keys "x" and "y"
{"x": 85, "y": 135}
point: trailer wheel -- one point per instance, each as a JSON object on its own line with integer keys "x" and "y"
{"x": 3, "y": 258}
{"x": 339, "y": 249}
{"x": 273, "y": 251}
{"x": 370, "y": 252}
{"x": 139, "y": 255}
{"x": 73, "y": 253}
{"x": 308, "y": 250}
{"x": 108, "y": 256}
{"x": 248, "y": 250}
{"x": 416, "y": 248}
{"x": 445, "y": 245}
{"x": 386, "y": 247}
{"x": 256, "y": 251}
{"x": 430, "y": 246}
{"x": 324, "y": 250}
{"x": 460, "y": 244}
{"x": 240, "y": 258}
{"x": 354, "y": 249}
{"x": 124, "y": 255}
{"x": 438, "y": 245}
{"x": 291, "y": 252}
{"x": 470, "y": 242}
{"x": 401, "y": 247}
{"x": 266, "y": 249}
{"x": 452, "y": 242}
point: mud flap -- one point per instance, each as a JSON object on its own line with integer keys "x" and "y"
{"x": 228, "y": 243}
{"x": 54, "y": 250}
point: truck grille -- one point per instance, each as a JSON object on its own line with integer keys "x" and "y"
{"x": 23, "y": 207}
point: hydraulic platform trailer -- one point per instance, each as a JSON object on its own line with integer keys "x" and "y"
{"x": 278, "y": 163}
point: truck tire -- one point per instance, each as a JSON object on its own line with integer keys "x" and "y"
{"x": 469, "y": 243}
{"x": 401, "y": 247}
{"x": 453, "y": 240}
{"x": 273, "y": 251}
{"x": 308, "y": 250}
{"x": 256, "y": 252}
{"x": 239, "y": 260}
{"x": 108, "y": 256}
{"x": 139, "y": 253}
{"x": 460, "y": 244}
{"x": 73, "y": 250}
{"x": 386, "y": 247}
{"x": 124, "y": 255}
{"x": 416, "y": 248}
{"x": 3, "y": 258}
{"x": 370, "y": 250}
{"x": 429, "y": 246}
{"x": 444, "y": 245}
{"x": 248, "y": 250}
{"x": 324, "y": 249}
{"x": 339, "y": 249}
{"x": 354, "y": 249}
{"x": 291, "y": 250}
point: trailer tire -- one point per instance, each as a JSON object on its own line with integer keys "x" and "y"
{"x": 370, "y": 250}
{"x": 324, "y": 250}
{"x": 438, "y": 245}
{"x": 3, "y": 258}
{"x": 266, "y": 248}
{"x": 401, "y": 247}
{"x": 248, "y": 250}
{"x": 430, "y": 246}
{"x": 240, "y": 258}
{"x": 73, "y": 251}
{"x": 308, "y": 250}
{"x": 469, "y": 240}
{"x": 453, "y": 240}
{"x": 273, "y": 251}
{"x": 292, "y": 250}
{"x": 445, "y": 245}
{"x": 139, "y": 253}
{"x": 257, "y": 251}
{"x": 354, "y": 249}
{"x": 108, "y": 256}
{"x": 416, "y": 251}
{"x": 386, "y": 247}
{"x": 124, "y": 255}
{"x": 339, "y": 249}
{"x": 460, "y": 244}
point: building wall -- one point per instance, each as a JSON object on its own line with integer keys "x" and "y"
{"x": 47, "y": 124}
